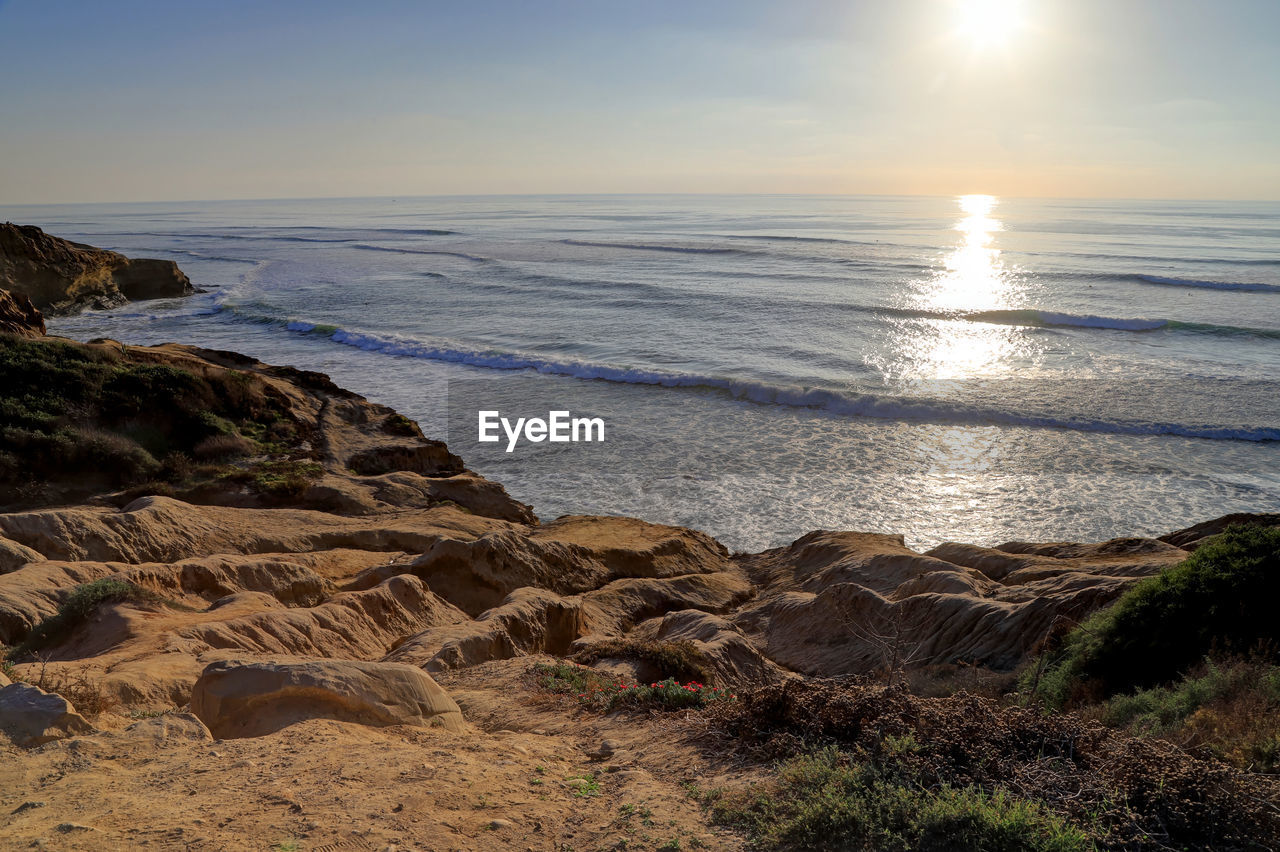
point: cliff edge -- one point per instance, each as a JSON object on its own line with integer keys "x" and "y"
{"x": 62, "y": 277}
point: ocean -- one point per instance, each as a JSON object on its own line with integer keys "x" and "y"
{"x": 976, "y": 369}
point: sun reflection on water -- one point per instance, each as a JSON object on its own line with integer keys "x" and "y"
{"x": 951, "y": 341}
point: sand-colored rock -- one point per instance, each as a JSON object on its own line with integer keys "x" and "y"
{"x": 729, "y": 656}
{"x": 30, "y": 716}
{"x": 170, "y": 726}
{"x": 162, "y": 529}
{"x": 14, "y": 555}
{"x": 848, "y": 603}
{"x": 529, "y": 621}
{"x": 63, "y": 277}
{"x": 1193, "y": 536}
{"x": 571, "y": 555}
{"x": 19, "y": 316}
{"x": 350, "y": 625}
{"x": 254, "y": 699}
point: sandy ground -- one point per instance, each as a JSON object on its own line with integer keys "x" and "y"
{"x": 515, "y": 781}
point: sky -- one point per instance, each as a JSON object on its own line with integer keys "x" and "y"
{"x": 136, "y": 100}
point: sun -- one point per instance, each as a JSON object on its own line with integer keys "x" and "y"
{"x": 989, "y": 23}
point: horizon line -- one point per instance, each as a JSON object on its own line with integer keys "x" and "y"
{"x": 5, "y": 205}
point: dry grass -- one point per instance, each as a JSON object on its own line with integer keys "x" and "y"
{"x": 1126, "y": 792}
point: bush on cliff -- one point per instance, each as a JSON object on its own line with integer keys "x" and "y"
{"x": 905, "y": 768}
{"x": 828, "y": 800}
{"x": 79, "y": 418}
{"x": 78, "y": 607}
{"x": 1227, "y": 709}
{"x": 1222, "y": 599}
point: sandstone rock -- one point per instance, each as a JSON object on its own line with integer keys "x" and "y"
{"x": 170, "y": 726}
{"x": 31, "y": 716}
{"x": 1192, "y": 537}
{"x": 64, "y": 277}
{"x": 529, "y": 621}
{"x": 572, "y": 554}
{"x": 850, "y": 603}
{"x": 18, "y": 316}
{"x": 604, "y": 750}
{"x": 162, "y": 529}
{"x": 351, "y": 624}
{"x": 730, "y": 657}
{"x": 4, "y": 681}
{"x": 14, "y": 555}
{"x": 254, "y": 699}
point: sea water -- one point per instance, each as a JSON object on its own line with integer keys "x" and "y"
{"x": 972, "y": 368}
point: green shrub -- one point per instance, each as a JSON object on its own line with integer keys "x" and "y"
{"x": 681, "y": 660}
{"x": 599, "y": 692}
{"x": 79, "y": 606}
{"x": 1227, "y": 710}
{"x": 77, "y": 419}
{"x": 1221, "y": 599}
{"x": 825, "y": 800}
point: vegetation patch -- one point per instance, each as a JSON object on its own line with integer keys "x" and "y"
{"x": 1221, "y": 599}
{"x": 1229, "y": 710}
{"x": 828, "y": 800}
{"x": 599, "y": 692}
{"x": 681, "y": 660}
{"x": 78, "y": 608}
{"x": 77, "y": 419}
{"x": 1016, "y": 765}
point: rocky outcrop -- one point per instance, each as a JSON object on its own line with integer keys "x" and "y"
{"x": 31, "y": 717}
{"x": 851, "y": 603}
{"x": 1192, "y": 537}
{"x": 61, "y": 277}
{"x": 214, "y": 427}
{"x": 390, "y": 551}
{"x": 18, "y": 316}
{"x": 254, "y": 699}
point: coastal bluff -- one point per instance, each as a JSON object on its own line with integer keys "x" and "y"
{"x": 64, "y": 277}
{"x": 246, "y": 608}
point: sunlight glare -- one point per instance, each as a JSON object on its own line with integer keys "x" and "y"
{"x": 988, "y": 23}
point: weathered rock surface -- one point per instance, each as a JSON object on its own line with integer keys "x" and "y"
{"x": 397, "y": 554}
{"x": 1191, "y": 537}
{"x": 63, "y": 277}
{"x": 847, "y": 603}
{"x": 571, "y": 555}
{"x": 248, "y": 700}
{"x": 30, "y": 716}
{"x": 170, "y": 726}
{"x": 19, "y": 316}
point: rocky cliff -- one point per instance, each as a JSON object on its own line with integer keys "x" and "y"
{"x": 18, "y": 316}
{"x": 322, "y": 585}
{"x": 60, "y": 276}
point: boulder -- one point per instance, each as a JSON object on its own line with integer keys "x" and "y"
{"x": 60, "y": 276}
{"x": 32, "y": 717}
{"x": 170, "y": 726}
{"x": 18, "y": 316}
{"x": 255, "y": 699}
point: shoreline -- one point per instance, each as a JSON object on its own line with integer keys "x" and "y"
{"x": 228, "y": 590}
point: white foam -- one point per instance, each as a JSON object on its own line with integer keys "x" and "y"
{"x": 1212, "y": 285}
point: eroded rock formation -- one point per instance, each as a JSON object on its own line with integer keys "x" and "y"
{"x": 18, "y": 316}
{"x": 392, "y": 554}
{"x": 61, "y": 277}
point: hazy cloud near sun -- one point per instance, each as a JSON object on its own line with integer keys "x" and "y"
{"x": 150, "y": 100}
